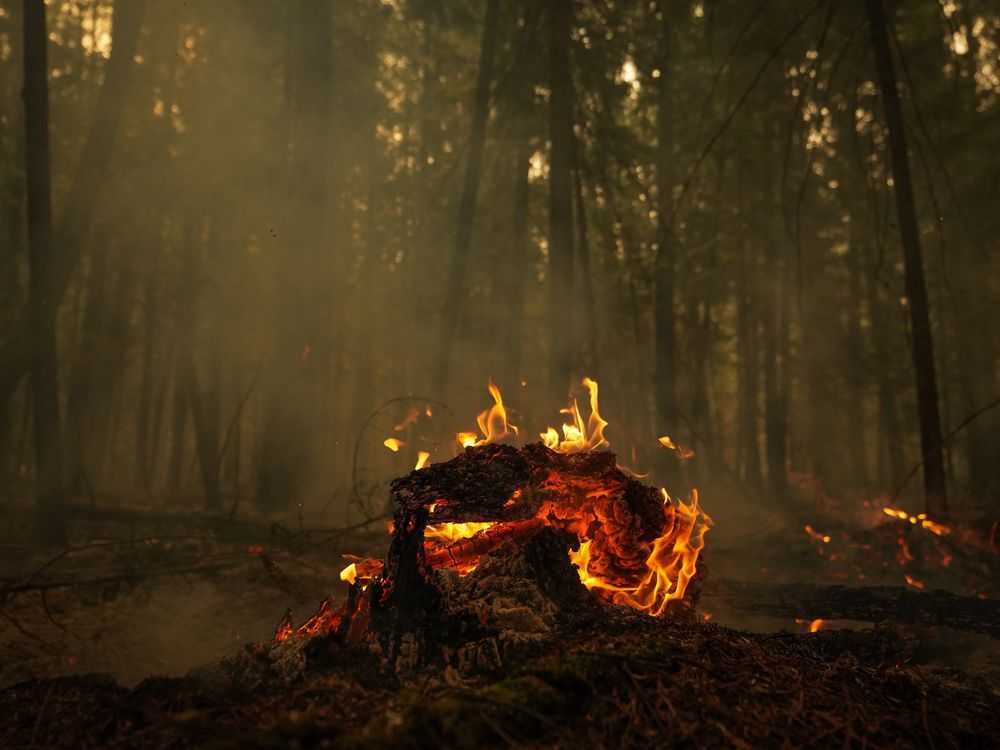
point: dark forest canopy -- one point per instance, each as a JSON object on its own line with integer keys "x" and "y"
{"x": 269, "y": 218}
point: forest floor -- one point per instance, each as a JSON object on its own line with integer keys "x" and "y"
{"x": 103, "y": 645}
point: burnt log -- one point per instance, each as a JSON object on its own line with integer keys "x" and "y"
{"x": 868, "y": 603}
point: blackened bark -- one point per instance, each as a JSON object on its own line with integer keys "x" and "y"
{"x": 456, "y": 284}
{"x": 935, "y": 493}
{"x": 50, "y": 521}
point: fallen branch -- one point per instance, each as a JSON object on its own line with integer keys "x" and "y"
{"x": 869, "y": 604}
{"x": 133, "y": 577}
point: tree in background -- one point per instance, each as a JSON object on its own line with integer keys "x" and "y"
{"x": 50, "y": 522}
{"x": 932, "y": 452}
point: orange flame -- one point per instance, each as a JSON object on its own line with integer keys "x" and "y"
{"x": 682, "y": 453}
{"x": 350, "y": 573}
{"x": 393, "y": 444}
{"x": 578, "y": 436}
{"x": 422, "y": 458}
{"x": 670, "y": 560}
{"x": 411, "y": 417}
{"x": 492, "y": 422}
{"x": 814, "y": 625}
{"x": 913, "y": 581}
{"x": 670, "y": 565}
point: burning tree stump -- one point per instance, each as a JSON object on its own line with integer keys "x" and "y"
{"x": 497, "y": 548}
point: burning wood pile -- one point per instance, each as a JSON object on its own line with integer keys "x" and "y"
{"x": 498, "y": 547}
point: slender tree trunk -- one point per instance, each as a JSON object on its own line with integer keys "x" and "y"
{"x": 776, "y": 377}
{"x": 776, "y": 293}
{"x": 12, "y": 200}
{"x": 150, "y": 322}
{"x": 518, "y": 258}
{"x": 175, "y": 464}
{"x": 935, "y": 493}
{"x": 296, "y": 372}
{"x": 562, "y": 336}
{"x": 50, "y": 521}
{"x": 89, "y": 349}
{"x": 81, "y": 204}
{"x": 749, "y": 359}
{"x": 592, "y": 359}
{"x": 890, "y": 442}
{"x": 455, "y": 290}
{"x": 664, "y": 316}
{"x": 855, "y": 372}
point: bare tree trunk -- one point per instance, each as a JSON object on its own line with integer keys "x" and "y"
{"x": 776, "y": 377}
{"x": 455, "y": 290}
{"x": 89, "y": 349}
{"x": 175, "y": 464}
{"x": 935, "y": 492}
{"x": 591, "y": 359}
{"x": 890, "y": 451}
{"x": 50, "y": 521}
{"x": 12, "y": 201}
{"x": 295, "y": 372}
{"x": 666, "y": 359}
{"x": 203, "y": 402}
{"x": 777, "y": 374}
{"x": 150, "y": 322}
{"x": 517, "y": 272}
{"x": 562, "y": 336}
{"x": 749, "y": 359}
{"x": 854, "y": 372}
{"x": 81, "y": 204}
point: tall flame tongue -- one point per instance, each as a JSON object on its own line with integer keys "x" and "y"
{"x": 616, "y": 561}
{"x": 577, "y": 436}
{"x": 492, "y": 423}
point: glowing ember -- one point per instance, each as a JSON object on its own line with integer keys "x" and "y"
{"x": 913, "y": 581}
{"x": 919, "y": 519}
{"x": 825, "y": 538}
{"x": 682, "y": 453}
